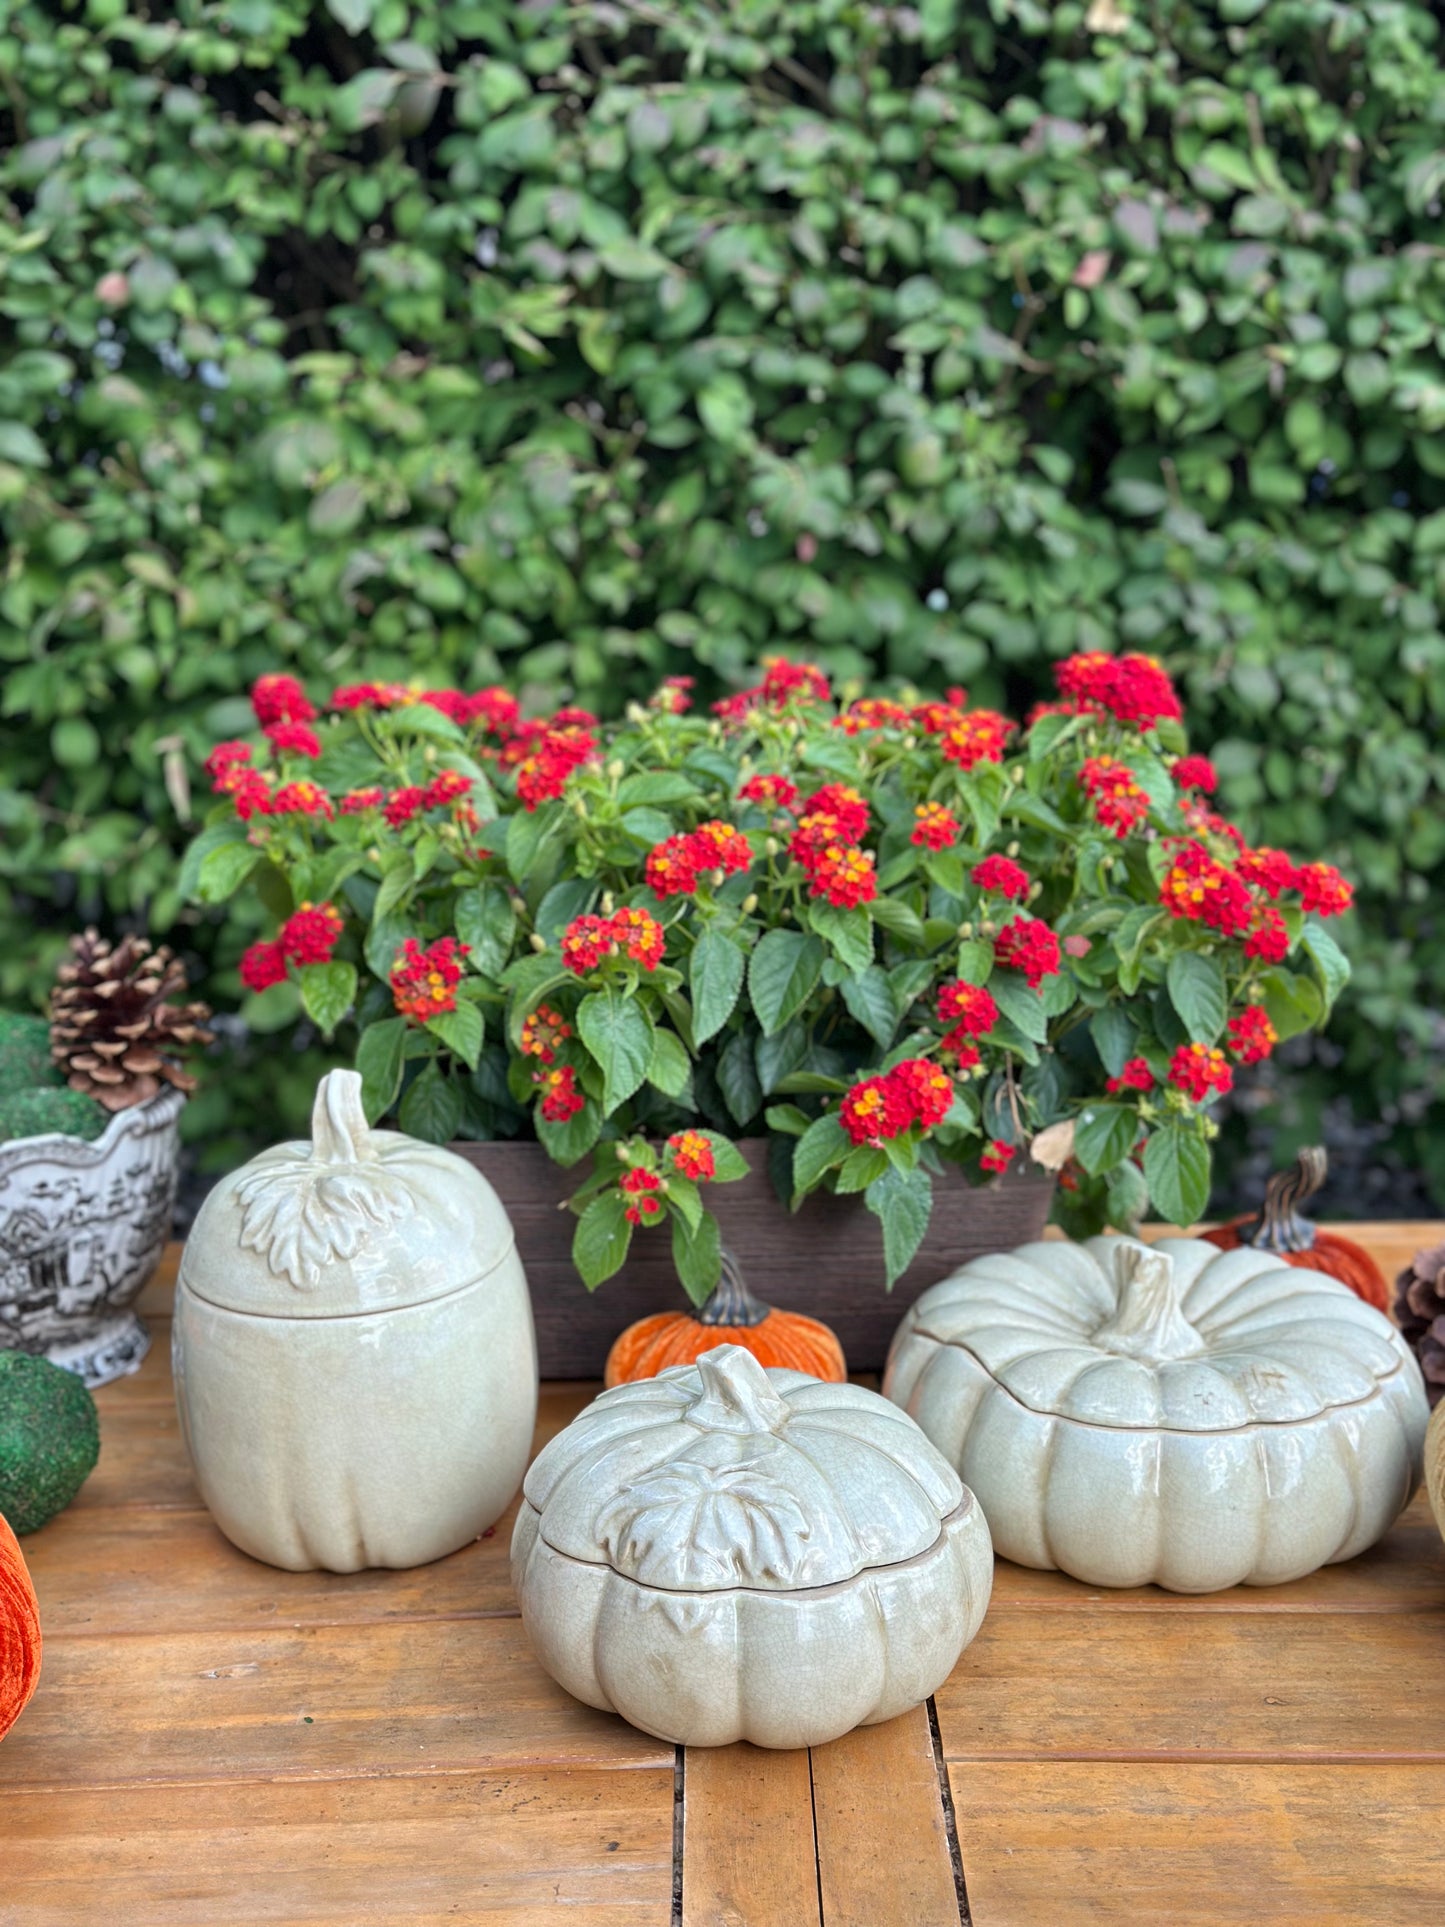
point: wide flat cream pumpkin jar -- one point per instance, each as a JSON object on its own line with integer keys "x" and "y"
{"x": 355, "y": 1364}
{"x": 727, "y": 1552}
{"x": 1170, "y": 1414}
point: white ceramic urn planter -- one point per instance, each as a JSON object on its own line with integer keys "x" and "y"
{"x": 354, "y": 1358}
{"x": 1173, "y": 1414}
{"x": 82, "y": 1225}
{"x": 726, "y": 1552}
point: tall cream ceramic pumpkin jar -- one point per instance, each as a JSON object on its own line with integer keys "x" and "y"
{"x": 355, "y": 1363}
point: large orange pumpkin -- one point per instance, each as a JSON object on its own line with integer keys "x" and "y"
{"x": 1279, "y": 1226}
{"x": 19, "y": 1631}
{"x": 732, "y": 1316}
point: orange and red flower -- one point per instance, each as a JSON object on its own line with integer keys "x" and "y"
{"x": 1200, "y": 1071}
{"x": 561, "y": 1098}
{"x": 280, "y": 699}
{"x": 542, "y": 1031}
{"x": 642, "y": 1186}
{"x": 1133, "y": 689}
{"x": 310, "y": 934}
{"x": 1120, "y": 802}
{"x": 1001, "y": 876}
{"x": 936, "y": 828}
{"x": 1251, "y": 1035}
{"x": 1135, "y": 1076}
{"x": 262, "y": 965}
{"x": 424, "y": 981}
{"x": 1200, "y": 888}
{"x": 1028, "y": 944}
{"x": 693, "y": 1155}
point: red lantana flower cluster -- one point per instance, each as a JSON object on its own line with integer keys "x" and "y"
{"x": 770, "y": 792}
{"x": 914, "y": 1092}
{"x": 560, "y": 1097}
{"x": 1120, "y": 802}
{"x": 1251, "y": 1035}
{"x": 424, "y": 979}
{"x": 1200, "y": 1071}
{"x": 1002, "y": 877}
{"x": 641, "y": 1187}
{"x": 971, "y": 1012}
{"x": 675, "y": 866}
{"x": 693, "y": 1155}
{"x": 936, "y": 828}
{"x": 1133, "y": 689}
{"x": 542, "y": 1031}
{"x": 588, "y": 940}
{"x": 1135, "y": 1076}
{"x": 1027, "y": 944}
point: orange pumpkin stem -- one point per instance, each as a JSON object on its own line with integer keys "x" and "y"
{"x": 732, "y": 1304}
{"x": 1281, "y": 1224}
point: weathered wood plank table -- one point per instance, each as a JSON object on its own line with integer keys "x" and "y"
{"x": 217, "y": 1742}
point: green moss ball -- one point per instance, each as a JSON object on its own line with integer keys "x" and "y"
{"x": 33, "y": 1113}
{"x": 49, "y": 1439}
{"x": 25, "y": 1053}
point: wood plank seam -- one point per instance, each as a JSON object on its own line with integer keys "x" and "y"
{"x": 950, "y": 1818}
{"x": 817, "y": 1851}
{"x": 679, "y": 1810}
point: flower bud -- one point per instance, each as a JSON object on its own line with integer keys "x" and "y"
{"x": 965, "y": 930}
{"x": 772, "y": 846}
{"x": 1013, "y": 848}
{"x": 636, "y": 713}
{"x": 750, "y": 903}
{"x": 608, "y": 903}
{"x": 616, "y": 769}
{"x": 537, "y": 943}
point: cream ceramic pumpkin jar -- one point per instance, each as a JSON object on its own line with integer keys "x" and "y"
{"x": 354, "y": 1358}
{"x": 1170, "y": 1414}
{"x": 727, "y": 1552}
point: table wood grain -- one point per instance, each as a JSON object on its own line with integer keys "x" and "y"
{"x": 215, "y": 1741}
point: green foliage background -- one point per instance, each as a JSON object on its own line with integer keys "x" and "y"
{"x": 576, "y": 344}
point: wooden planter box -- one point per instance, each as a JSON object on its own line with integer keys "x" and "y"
{"x": 827, "y": 1260}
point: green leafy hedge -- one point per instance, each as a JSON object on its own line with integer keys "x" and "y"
{"x": 575, "y": 344}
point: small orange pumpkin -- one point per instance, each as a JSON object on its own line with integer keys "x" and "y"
{"x": 732, "y": 1316}
{"x": 1281, "y": 1228}
{"x": 19, "y": 1631}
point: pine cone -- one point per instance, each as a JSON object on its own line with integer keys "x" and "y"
{"x": 1420, "y": 1314}
{"x": 113, "y": 1031}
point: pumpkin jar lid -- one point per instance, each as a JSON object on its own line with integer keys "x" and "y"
{"x": 357, "y": 1220}
{"x": 1176, "y": 1336}
{"x": 726, "y": 1474}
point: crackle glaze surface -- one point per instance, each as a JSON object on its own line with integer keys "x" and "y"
{"x": 728, "y": 1552}
{"x": 354, "y": 1359}
{"x": 1169, "y": 1414}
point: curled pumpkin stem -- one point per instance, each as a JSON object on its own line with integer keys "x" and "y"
{"x": 1282, "y": 1225}
{"x": 732, "y": 1304}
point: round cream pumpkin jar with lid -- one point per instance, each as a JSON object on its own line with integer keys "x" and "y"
{"x": 355, "y": 1364}
{"x": 1168, "y": 1414}
{"x": 731, "y": 1552}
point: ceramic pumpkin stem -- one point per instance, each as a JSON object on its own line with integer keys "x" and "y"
{"x": 736, "y": 1395}
{"x": 339, "y": 1131}
{"x": 1148, "y": 1320}
{"x": 732, "y": 1304}
{"x": 1281, "y": 1225}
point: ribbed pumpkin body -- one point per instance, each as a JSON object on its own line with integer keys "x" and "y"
{"x": 784, "y": 1338}
{"x": 19, "y": 1631}
{"x": 1336, "y": 1257}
